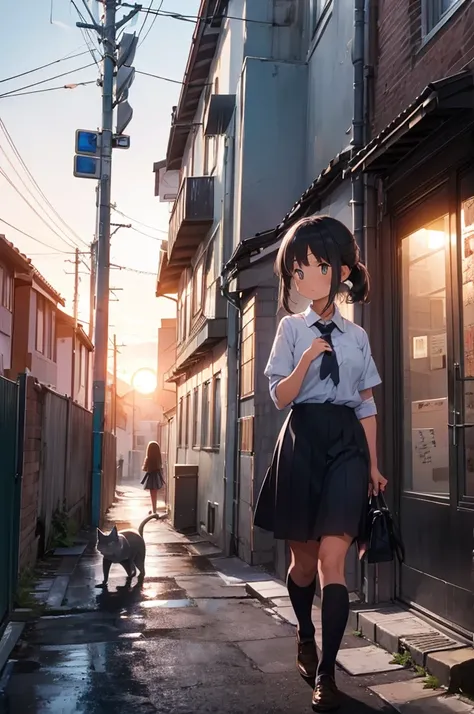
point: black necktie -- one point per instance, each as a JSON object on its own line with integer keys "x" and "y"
{"x": 329, "y": 365}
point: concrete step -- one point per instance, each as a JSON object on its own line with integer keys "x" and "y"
{"x": 392, "y": 630}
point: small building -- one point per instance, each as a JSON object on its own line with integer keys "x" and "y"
{"x": 36, "y": 305}
{"x": 12, "y": 262}
{"x": 74, "y": 360}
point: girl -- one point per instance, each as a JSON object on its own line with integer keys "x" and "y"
{"x": 315, "y": 492}
{"x": 153, "y": 480}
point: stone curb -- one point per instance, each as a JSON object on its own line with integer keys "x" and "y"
{"x": 395, "y": 630}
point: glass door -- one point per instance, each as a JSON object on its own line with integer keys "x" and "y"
{"x": 437, "y": 330}
{"x": 428, "y": 456}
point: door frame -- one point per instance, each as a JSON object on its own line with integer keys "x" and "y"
{"x": 398, "y": 202}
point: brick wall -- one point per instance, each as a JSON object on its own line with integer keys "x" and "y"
{"x": 404, "y": 66}
{"x": 31, "y": 476}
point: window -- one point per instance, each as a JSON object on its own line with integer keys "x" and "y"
{"x": 197, "y": 286}
{"x": 140, "y": 441}
{"x": 434, "y": 11}
{"x": 247, "y": 357}
{"x": 426, "y": 416}
{"x": 216, "y": 412}
{"x": 186, "y": 419}
{"x": 210, "y": 278}
{"x": 246, "y": 435}
{"x": 205, "y": 415}
{"x": 196, "y": 417}
{"x": 45, "y": 328}
{"x": 8, "y": 291}
{"x": 181, "y": 422}
{"x": 40, "y": 324}
{"x": 210, "y": 155}
{"x": 6, "y": 288}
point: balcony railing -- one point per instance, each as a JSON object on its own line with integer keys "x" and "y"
{"x": 192, "y": 216}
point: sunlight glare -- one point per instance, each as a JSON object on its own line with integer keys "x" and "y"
{"x": 144, "y": 381}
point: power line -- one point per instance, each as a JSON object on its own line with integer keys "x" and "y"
{"x": 28, "y": 235}
{"x": 6, "y": 177}
{"x": 86, "y": 34}
{"x": 135, "y": 220}
{"x": 193, "y": 18}
{"x": 152, "y": 22}
{"x": 36, "y": 184}
{"x": 146, "y": 234}
{"x": 44, "y": 81}
{"x": 52, "y": 89}
{"x": 27, "y": 188}
{"x": 43, "y": 66}
{"x": 165, "y": 79}
{"x": 132, "y": 270}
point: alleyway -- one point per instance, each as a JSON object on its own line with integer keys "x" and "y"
{"x": 192, "y": 641}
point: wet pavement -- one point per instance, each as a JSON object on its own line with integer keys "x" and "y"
{"x": 186, "y": 642}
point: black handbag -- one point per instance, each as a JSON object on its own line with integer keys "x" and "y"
{"x": 383, "y": 537}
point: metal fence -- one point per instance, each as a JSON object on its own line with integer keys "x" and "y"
{"x": 65, "y": 460}
{"x": 10, "y": 422}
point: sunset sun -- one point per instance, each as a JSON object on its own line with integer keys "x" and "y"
{"x": 144, "y": 381}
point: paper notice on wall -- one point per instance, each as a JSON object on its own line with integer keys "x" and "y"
{"x": 420, "y": 347}
{"x": 425, "y": 443}
{"x": 438, "y": 345}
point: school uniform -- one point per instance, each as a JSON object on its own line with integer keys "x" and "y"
{"x": 317, "y": 483}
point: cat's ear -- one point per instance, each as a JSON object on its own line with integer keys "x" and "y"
{"x": 114, "y": 533}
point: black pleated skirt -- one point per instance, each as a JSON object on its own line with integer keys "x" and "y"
{"x": 153, "y": 480}
{"x": 317, "y": 483}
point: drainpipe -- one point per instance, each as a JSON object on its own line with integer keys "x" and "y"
{"x": 233, "y": 362}
{"x": 358, "y": 58}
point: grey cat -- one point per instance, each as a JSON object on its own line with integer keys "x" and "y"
{"x": 125, "y": 547}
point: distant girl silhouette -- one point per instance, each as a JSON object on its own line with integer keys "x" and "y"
{"x": 153, "y": 480}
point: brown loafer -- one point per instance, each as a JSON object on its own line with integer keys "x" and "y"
{"x": 307, "y": 659}
{"x": 325, "y": 695}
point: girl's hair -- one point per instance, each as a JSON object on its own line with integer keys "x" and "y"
{"x": 153, "y": 457}
{"x": 330, "y": 241}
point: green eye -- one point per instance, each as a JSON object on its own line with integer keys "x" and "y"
{"x": 299, "y": 274}
{"x": 324, "y": 268}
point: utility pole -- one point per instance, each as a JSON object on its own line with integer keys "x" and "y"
{"x": 92, "y": 289}
{"x": 114, "y": 413}
{"x": 101, "y": 331}
{"x": 94, "y": 160}
{"x": 76, "y": 287}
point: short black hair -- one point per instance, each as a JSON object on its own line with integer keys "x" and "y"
{"x": 330, "y": 241}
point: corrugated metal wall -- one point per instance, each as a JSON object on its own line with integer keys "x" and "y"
{"x": 8, "y": 485}
{"x": 65, "y": 460}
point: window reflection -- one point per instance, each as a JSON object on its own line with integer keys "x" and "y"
{"x": 467, "y": 249}
{"x": 426, "y": 442}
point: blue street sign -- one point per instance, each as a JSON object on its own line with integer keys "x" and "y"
{"x": 86, "y": 167}
{"x": 87, "y": 142}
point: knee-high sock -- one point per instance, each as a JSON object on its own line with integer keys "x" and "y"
{"x": 334, "y": 616}
{"x": 302, "y": 600}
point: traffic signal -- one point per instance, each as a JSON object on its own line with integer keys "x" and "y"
{"x": 124, "y": 80}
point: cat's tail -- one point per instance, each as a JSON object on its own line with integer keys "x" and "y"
{"x": 153, "y": 517}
